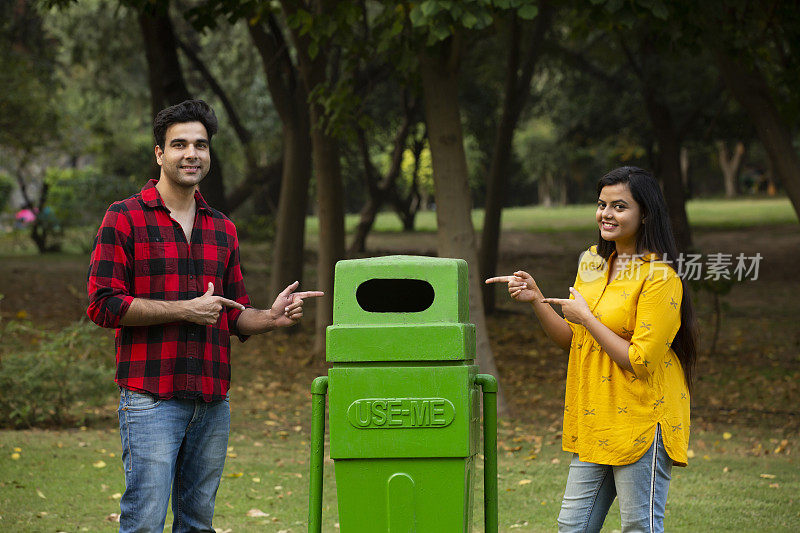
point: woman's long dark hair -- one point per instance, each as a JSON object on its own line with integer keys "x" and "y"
{"x": 655, "y": 235}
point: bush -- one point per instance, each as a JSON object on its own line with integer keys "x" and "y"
{"x": 80, "y": 196}
{"x": 53, "y": 378}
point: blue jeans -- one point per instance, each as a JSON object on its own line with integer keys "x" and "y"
{"x": 642, "y": 489}
{"x": 171, "y": 443}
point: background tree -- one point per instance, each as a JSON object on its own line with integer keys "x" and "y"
{"x": 519, "y": 73}
{"x": 444, "y": 28}
{"x": 29, "y": 118}
{"x": 312, "y": 27}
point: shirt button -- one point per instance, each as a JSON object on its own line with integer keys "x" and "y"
{"x": 191, "y": 277}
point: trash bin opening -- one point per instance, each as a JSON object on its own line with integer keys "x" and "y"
{"x": 395, "y": 295}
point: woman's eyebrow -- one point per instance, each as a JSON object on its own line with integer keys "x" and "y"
{"x": 618, "y": 201}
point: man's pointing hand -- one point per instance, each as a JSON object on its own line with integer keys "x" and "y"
{"x": 205, "y": 309}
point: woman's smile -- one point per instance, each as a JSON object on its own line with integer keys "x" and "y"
{"x": 619, "y": 217}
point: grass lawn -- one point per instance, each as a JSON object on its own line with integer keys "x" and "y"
{"x": 71, "y": 480}
{"x": 715, "y": 212}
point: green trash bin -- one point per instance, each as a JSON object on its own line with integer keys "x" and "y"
{"x": 403, "y": 395}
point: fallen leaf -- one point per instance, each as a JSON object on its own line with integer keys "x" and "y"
{"x": 690, "y": 454}
{"x": 525, "y": 482}
{"x": 41, "y": 494}
{"x": 113, "y": 517}
{"x": 99, "y": 464}
{"x": 555, "y": 461}
{"x": 17, "y": 449}
{"x": 116, "y": 496}
{"x": 235, "y": 474}
{"x": 256, "y": 480}
{"x": 15, "y": 456}
{"x": 768, "y": 476}
{"x": 257, "y": 513}
{"x": 726, "y": 436}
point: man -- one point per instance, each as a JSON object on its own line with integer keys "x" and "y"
{"x": 165, "y": 273}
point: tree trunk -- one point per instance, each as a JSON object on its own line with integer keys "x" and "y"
{"x": 290, "y": 100}
{"x": 517, "y": 88}
{"x": 545, "y": 189}
{"x": 327, "y": 170}
{"x": 289, "y": 245}
{"x": 752, "y": 93}
{"x": 685, "y": 165}
{"x": 330, "y": 210}
{"x": 167, "y": 87}
{"x": 669, "y": 168}
{"x": 730, "y": 165}
{"x": 383, "y": 190}
{"x": 456, "y": 235}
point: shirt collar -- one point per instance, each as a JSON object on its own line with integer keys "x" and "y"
{"x": 152, "y": 198}
{"x": 637, "y": 259}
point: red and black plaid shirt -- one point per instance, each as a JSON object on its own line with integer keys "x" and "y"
{"x": 141, "y": 252}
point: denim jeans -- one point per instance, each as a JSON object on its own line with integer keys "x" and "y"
{"x": 642, "y": 489}
{"x": 171, "y": 443}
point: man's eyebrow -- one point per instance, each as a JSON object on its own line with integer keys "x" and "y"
{"x": 184, "y": 141}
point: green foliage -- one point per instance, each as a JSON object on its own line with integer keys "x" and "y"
{"x": 26, "y": 76}
{"x": 259, "y": 228}
{"x": 441, "y": 18}
{"x": 50, "y": 378}
{"x": 80, "y": 196}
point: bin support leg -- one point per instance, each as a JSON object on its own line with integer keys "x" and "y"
{"x": 490, "y": 515}
{"x": 318, "y": 392}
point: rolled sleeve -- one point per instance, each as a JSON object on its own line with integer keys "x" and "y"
{"x": 658, "y": 318}
{"x": 109, "y": 277}
{"x": 235, "y": 289}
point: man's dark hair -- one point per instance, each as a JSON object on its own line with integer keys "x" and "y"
{"x": 186, "y": 111}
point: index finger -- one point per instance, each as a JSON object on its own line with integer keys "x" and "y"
{"x": 309, "y": 294}
{"x": 499, "y": 279}
{"x": 288, "y": 290}
{"x": 557, "y": 301}
{"x": 230, "y": 303}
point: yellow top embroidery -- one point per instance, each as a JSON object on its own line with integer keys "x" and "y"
{"x": 610, "y": 414}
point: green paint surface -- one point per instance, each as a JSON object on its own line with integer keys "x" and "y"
{"x": 405, "y": 495}
{"x": 403, "y": 404}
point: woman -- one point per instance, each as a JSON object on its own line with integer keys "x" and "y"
{"x": 630, "y": 330}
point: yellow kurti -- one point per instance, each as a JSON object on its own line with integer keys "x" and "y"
{"x": 610, "y": 414}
